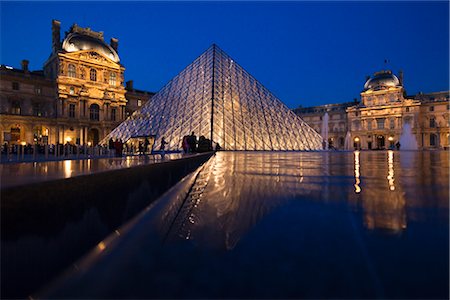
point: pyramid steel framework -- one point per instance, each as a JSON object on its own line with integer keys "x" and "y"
{"x": 215, "y": 97}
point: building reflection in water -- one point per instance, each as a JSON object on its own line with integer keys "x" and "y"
{"x": 384, "y": 206}
{"x": 357, "y": 173}
{"x": 282, "y": 215}
{"x": 235, "y": 191}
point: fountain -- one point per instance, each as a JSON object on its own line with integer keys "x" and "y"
{"x": 407, "y": 139}
{"x": 324, "y": 131}
{"x": 348, "y": 141}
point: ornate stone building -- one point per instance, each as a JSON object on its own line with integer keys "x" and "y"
{"x": 378, "y": 120}
{"x": 78, "y": 97}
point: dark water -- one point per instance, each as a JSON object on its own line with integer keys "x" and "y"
{"x": 284, "y": 225}
{"x": 46, "y": 225}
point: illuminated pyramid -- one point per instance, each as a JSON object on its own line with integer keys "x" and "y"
{"x": 217, "y": 98}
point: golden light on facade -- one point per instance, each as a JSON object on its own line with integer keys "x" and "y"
{"x": 23, "y": 143}
{"x": 68, "y": 139}
{"x": 356, "y": 139}
{"x": 89, "y": 144}
{"x": 391, "y": 138}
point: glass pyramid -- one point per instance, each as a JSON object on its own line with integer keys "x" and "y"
{"x": 215, "y": 97}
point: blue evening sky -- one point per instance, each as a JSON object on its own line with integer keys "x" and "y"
{"x": 306, "y": 53}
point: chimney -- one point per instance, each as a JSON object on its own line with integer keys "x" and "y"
{"x": 401, "y": 77}
{"x": 25, "y": 65}
{"x": 129, "y": 85}
{"x": 114, "y": 44}
{"x": 56, "y": 36}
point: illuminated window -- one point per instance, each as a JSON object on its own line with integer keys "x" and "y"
{"x": 94, "y": 114}
{"x": 71, "y": 110}
{"x": 71, "y": 90}
{"x": 113, "y": 114}
{"x": 38, "y": 90}
{"x": 139, "y": 102}
{"x": 37, "y": 109}
{"x": 391, "y": 123}
{"x": 112, "y": 79}
{"x": 380, "y": 123}
{"x": 93, "y": 75}
{"x": 71, "y": 71}
{"x": 15, "y": 108}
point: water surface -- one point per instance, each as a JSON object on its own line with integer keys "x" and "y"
{"x": 285, "y": 225}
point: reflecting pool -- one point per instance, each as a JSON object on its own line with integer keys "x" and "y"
{"x": 283, "y": 225}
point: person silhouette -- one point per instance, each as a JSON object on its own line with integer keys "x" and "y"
{"x": 163, "y": 147}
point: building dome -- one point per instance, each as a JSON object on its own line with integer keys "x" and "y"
{"x": 79, "y": 42}
{"x": 382, "y": 80}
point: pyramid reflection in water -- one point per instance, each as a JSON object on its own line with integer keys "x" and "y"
{"x": 217, "y": 98}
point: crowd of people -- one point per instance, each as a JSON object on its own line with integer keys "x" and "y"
{"x": 117, "y": 147}
{"x": 191, "y": 145}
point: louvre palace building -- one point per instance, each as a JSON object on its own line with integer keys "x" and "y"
{"x": 377, "y": 120}
{"x": 78, "y": 97}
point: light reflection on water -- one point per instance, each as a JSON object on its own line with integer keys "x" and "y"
{"x": 17, "y": 174}
{"x": 291, "y": 225}
{"x": 245, "y": 186}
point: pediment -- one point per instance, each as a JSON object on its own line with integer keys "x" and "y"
{"x": 91, "y": 56}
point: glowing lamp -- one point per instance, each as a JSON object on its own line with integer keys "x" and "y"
{"x": 356, "y": 139}
{"x": 23, "y": 143}
{"x": 89, "y": 144}
{"x": 68, "y": 139}
{"x": 390, "y": 138}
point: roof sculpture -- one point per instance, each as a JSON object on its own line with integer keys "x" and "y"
{"x": 215, "y": 97}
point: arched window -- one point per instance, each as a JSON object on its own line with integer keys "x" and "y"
{"x": 94, "y": 114}
{"x": 93, "y": 75}
{"x": 433, "y": 140}
{"x": 112, "y": 79}
{"x": 72, "y": 71}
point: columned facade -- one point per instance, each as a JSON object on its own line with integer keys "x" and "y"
{"x": 378, "y": 120}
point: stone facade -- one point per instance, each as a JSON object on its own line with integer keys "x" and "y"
{"x": 78, "y": 97}
{"x": 378, "y": 119}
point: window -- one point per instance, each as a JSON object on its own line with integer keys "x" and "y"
{"x": 112, "y": 79}
{"x": 71, "y": 110}
{"x": 71, "y": 90}
{"x": 113, "y": 114}
{"x": 380, "y": 123}
{"x": 139, "y": 103}
{"x": 432, "y": 122}
{"x": 391, "y": 123}
{"x": 94, "y": 112}
{"x": 38, "y": 90}
{"x": 433, "y": 140}
{"x": 431, "y": 108}
{"x": 93, "y": 75}
{"x": 15, "y": 86}
{"x": 369, "y": 124}
{"x": 37, "y": 110}
{"x": 15, "y": 108}
{"x": 407, "y": 109}
{"x": 71, "y": 71}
